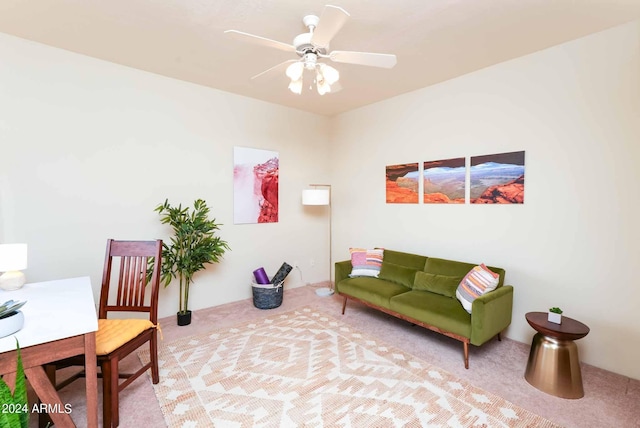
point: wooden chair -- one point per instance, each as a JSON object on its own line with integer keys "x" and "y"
{"x": 118, "y": 337}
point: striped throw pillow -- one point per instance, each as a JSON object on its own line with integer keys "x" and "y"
{"x": 480, "y": 280}
{"x": 366, "y": 262}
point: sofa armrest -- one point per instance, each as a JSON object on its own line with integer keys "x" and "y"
{"x": 343, "y": 269}
{"x": 490, "y": 314}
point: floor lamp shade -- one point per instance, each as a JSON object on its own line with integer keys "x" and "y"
{"x": 315, "y": 197}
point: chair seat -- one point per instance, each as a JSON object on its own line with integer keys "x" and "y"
{"x": 113, "y": 333}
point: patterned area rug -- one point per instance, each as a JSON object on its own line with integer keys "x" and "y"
{"x": 306, "y": 369}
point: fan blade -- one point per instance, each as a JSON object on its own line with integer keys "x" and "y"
{"x": 364, "y": 58}
{"x": 273, "y": 71}
{"x": 331, "y": 21}
{"x": 246, "y": 37}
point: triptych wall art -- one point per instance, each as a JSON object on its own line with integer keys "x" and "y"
{"x": 255, "y": 185}
{"x": 493, "y": 179}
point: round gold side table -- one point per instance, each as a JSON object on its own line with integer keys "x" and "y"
{"x": 554, "y": 365}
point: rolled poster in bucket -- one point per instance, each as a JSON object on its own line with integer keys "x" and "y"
{"x": 261, "y": 276}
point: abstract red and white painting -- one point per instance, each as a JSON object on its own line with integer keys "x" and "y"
{"x": 255, "y": 185}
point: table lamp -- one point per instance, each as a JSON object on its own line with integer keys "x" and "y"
{"x": 13, "y": 259}
{"x": 322, "y": 196}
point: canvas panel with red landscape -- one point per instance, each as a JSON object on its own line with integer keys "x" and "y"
{"x": 255, "y": 185}
{"x": 402, "y": 183}
{"x": 444, "y": 181}
{"x": 497, "y": 179}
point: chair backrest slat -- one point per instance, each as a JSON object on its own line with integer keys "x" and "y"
{"x": 133, "y": 281}
{"x": 121, "y": 280}
{"x": 133, "y": 258}
{"x": 142, "y": 286}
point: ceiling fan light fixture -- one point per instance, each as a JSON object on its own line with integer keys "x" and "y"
{"x": 295, "y": 70}
{"x": 330, "y": 74}
{"x": 323, "y": 86}
{"x": 295, "y": 86}
{"x": 310, "y": 60}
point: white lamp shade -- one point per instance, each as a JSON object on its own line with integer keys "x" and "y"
{"x": 331, "y": 75}
{"x": 315, "y": 197}
{"x": 323, "y": 87}
{"x": 295, "y": 70}
{"x": 13, "y": 257}
{"x": 295, "y": 86}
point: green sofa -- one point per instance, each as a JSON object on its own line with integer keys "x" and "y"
{"x": 422, "y": 289}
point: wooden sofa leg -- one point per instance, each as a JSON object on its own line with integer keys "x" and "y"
{"x": 466, "y": 355}
{"x": 344, "y": 304}
{"x": 499, "y": 337}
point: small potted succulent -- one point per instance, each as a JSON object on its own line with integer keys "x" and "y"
{"x": 11, "y": 319}
{"x": 555, "y": 315}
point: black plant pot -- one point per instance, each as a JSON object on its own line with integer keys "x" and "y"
{"x": 184, "y": 318}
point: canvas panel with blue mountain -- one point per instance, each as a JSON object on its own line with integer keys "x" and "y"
{"x": 444, "y": 181}
{"x": 497, "y": 179}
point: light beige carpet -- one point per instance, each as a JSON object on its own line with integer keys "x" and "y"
{"x": 306, "y": 369}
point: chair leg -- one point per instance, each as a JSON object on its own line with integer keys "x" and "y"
{"x": 153, "y": 355}
{"x": 110, "y": 413}
{"x": 105, "y": 369}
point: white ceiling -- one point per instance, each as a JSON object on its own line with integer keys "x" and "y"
{"x": 434, "y": 40}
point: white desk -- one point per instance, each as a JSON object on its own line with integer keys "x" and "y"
{"x": 60, "y": 321}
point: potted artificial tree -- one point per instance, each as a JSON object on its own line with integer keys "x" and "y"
{"x": 193, "y": 245}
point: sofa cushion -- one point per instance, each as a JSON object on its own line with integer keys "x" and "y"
{"x": 444, "y": 285}
{"x": 398, "y": 273}
{"x": 405, "y": 259}
{"x": 366, "y": 262}
{"x": 480, "y": 280}
{"x": 439, "y": 311}
{"x": 454, "y": 268}
{"x": 376, "y": 291}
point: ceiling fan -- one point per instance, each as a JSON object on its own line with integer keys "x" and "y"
{"x": 312, "y": 48}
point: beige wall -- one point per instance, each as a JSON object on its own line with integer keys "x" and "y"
{"x": 90, "y": 148}
{"x": 68, "y": 122}
{"x": 574, "y": 109}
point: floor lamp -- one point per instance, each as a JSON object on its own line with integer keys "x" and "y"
{"x": 321, "y": 195}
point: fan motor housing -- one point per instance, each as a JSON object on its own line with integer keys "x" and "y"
{"x": 303, "y": 45}
{"x": 302, "y": 42}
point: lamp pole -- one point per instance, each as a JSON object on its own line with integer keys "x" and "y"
{"x": 327, "y": 201}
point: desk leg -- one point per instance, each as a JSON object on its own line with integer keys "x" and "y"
{"x": 91, "y": 370}
{"x": 48, "y": 394}
{"x": 10, "y": 380}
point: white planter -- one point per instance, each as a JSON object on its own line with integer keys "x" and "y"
{"x": 555, "y": 318}
{"x": 11, "y": 324}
